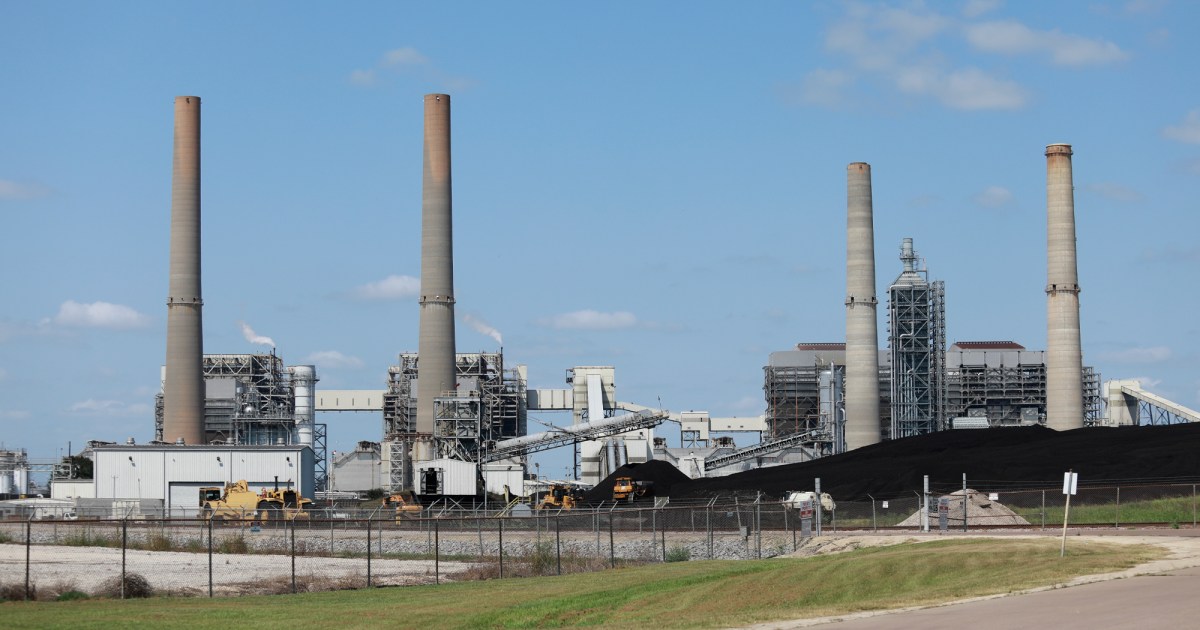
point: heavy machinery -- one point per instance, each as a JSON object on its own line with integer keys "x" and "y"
{"x": 404, "y": 509}
{"x": 560, "y": 497}
{"x": 796, "y": 499}
{"x": 237, "y": 502}
{"x": 626, "y": 489}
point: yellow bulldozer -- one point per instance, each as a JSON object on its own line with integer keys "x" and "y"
{"x": 404, "y": 509}
{"x": 560, "y": 497}
{"x": 237, "y": 502}
{"x": 626, "y": 489}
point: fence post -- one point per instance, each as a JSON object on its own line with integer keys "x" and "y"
{"x": 210, "y": 551}
{"x": 368, "y": 552}
{"x": 500, "y": 527}
{"x": 437, "y": 544}
{"x": 758, "y": 525}
{"x": 558, "y": 543}
{"x": 874, "y": 526}
{"x": 1117, "y": 522}
{"x": 612, "y": 552}
{"x": 1043, "y": 509}
{"x": 1193, "y": 506}
{"x": 708, "y": 524}
{"x": 28, "y": 542}
{"x": 965, "y": 504}
{"x": 124, "y": 544}
{"x": 664, "y": 537}
{"x": 293, "y": 532}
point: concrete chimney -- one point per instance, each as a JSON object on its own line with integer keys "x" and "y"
{"x": 435, "y": 351}
{"x": 1064, "y": 353}
{"x": 183, "y": 387}
{"x": 862, "y": 333}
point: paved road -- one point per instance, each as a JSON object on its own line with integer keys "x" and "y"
{"x": 1165, "y": 600}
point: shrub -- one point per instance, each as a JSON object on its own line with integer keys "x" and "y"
{"x": 15, "y": 592}
{"x": 71, "y": 596}
{"x": 135, "y": 586}
{"x": 678, "y": 554}
{"x": 233, "y": 545}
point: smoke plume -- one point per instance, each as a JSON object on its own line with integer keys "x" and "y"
{"x": 482, "y": 327}
{"x": 254, "y": 337}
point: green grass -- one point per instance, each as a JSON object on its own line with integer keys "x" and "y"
{"x": 1165, "y": 510}
{"x": 696, "y": 594}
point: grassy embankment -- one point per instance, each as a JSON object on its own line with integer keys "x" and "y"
{"x": 682, "y": 594}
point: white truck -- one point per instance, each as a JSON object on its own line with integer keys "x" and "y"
{"x": 796, "y": 498}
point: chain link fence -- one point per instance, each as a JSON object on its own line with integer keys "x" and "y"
{"x": 66, "y": 555}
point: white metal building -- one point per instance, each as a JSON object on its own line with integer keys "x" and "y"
{"x": 174, "y": 474}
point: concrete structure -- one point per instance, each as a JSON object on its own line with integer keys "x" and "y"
{"x": 1129, "y": 404}
{"x": 357, "y": 470}
{"x": 1064, "y": 360}
{"x": 174, "y": 474}
{"x": 436, "y": 340}
{"x": 862, "y": 335}
{"x": 183, "y": 389}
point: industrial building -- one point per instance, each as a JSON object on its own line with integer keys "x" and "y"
{"x": 14, "y": 473}
{"x": 917, "y": 348}
{"x": 253, "y": 399}
{"x": 169, "y": 476}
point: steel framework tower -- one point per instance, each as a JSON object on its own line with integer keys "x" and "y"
{"x": 917, "y": 342}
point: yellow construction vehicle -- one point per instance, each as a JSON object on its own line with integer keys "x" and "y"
{"x": 237, "y": 502}
{"x": 560, "y": 497}
{"x": 404, "y": 509}
{"x": 626, "y": 489}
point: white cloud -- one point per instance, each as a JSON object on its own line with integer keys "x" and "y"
{"x": 968, "y": 89}
{"x": 1010, "y": 37}
{"x": 254, "y": 337}
{"x": 390, "y": 288}
{"x": 483, "y": 327}
{"x": 99, "y": 315}
{"x": 1115, "y": 192}
{"x": 10, "y": 189}
{"x": 333, "y": 359}
{"x": 976, "y": 8}
{"x": 994, "y": 197}
{"x": 15, "y": 414}
{"x": 407, "y": 56}
{"x": 592, "y": 320}
{"x": 111, "y": 408}
{"x": 362, "y": 77}
{"x": 1144, "y": 6}
{"x": 1188, "y": 131}
{"x": 826, "y": 88}
{"x": 1151, "y": 354}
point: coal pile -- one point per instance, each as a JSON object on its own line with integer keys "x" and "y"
{"x": 663, "y": 474}
{"x": 1017, "y": 457}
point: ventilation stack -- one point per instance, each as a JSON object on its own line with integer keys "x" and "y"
{"x": 183, "y": 387}
{"x": 862, "y": 335}
{"x": 435, "y": 351}
{"x": 1064, "y": 353}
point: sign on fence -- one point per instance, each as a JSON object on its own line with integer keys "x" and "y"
{"x": 1070, "y": 482}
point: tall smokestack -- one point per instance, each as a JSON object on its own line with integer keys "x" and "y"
{"x": 183, "y": 387}
{"x": 435, "y": 351}
{"x": 862, "y": 334}
{"x": 1064, "y": 354}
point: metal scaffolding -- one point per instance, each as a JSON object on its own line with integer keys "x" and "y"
{"x": 917, "y": 343}
{"x": 488, "y": 406}
{"x": 1005, "y": 383}
{"x": 803, "y": 391}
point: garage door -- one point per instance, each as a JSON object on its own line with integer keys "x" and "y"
{"x": 184, "y": 499}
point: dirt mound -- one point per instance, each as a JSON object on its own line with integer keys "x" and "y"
{"x": 1018, "y": 456}
{"x": 980, "y": 511}
{"x": 663, "y": 474}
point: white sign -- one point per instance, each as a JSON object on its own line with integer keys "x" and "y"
{"x": 1070, "y": 482}
{"x": 885, "y": 505}
{"x": 993, "y": 496}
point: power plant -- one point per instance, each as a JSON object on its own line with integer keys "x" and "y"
{"x": 456, "y": 425}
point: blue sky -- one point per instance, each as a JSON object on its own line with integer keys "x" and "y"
{"x": 655, "y": 186}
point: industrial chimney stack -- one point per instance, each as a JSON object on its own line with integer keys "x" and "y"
{"x": 1064, "y": 354}
{"x": 862, "y": 336}
{"x": 183, "y": 387}
{"x": 435, "y": 351}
